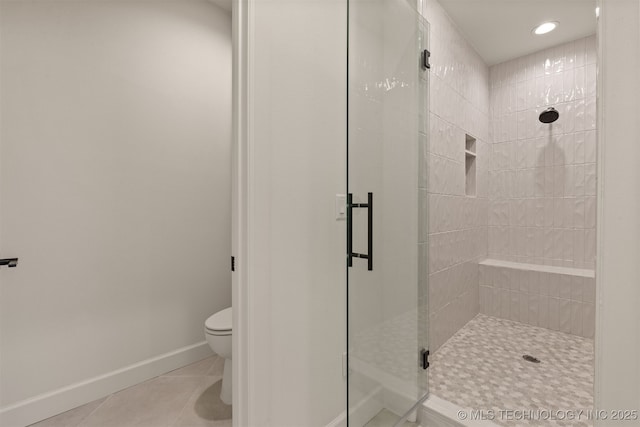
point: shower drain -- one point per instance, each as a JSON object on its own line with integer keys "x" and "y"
{"x": 531, "y": 359}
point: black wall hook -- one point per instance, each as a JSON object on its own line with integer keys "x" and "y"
{"x": 425, "y": 59}
{"x": 11, "y": 262}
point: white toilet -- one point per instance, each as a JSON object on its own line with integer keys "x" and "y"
{"x": 217, "y": 329}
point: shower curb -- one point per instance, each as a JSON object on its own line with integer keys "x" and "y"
{"x": 437, "y": 412}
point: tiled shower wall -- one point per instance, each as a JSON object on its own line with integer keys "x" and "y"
{"x": 535, "y": 198}
{"x": 458, "y": 225}
{"x": 542, "y": 178}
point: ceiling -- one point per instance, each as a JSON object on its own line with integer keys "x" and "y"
{"x": 500, "y": 30}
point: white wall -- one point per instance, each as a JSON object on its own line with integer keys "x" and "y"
{"x": 459, "y": 105}
{"x": 543, "y": 176}
{"x": 295, "y": 249}
{"x": 115, "y": 161}
{"x": 617, "y": 346}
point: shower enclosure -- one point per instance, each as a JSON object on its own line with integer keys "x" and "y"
{"x": 336, "y": 105}
{"x": 294, "y": 76}
{"x": 388, "y": 75}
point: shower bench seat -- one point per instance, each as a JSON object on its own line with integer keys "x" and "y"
{"x": 557, "y": 298}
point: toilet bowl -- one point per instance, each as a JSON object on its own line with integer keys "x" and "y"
{"x": 217, "y": 330}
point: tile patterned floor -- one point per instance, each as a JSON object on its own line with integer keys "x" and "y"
{"x": 186, "y": 397}
{"x": 481, "y": 367}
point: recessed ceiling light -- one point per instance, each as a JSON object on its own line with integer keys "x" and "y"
{"x": 545, "y": 28}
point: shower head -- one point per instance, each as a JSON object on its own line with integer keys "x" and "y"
{"x": 549, "y": 115}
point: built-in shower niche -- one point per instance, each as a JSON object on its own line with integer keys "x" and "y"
{"x": 470, "y": 156}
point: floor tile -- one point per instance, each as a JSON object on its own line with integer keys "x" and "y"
{"x": 71, "y": 418}
{"x": 217, "y": 367}
{"x": 196, "y": 369}
{"x": 154, "y": 403}
{"x": 205, "y": 408}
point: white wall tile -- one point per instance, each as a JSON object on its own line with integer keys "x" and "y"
{"x": 576, "y": 317}
{"x": 589, "y": 291}
{"x": 579, "y": 143}
{"x": 458, "y": 225}
{"x": 534, "y": 302}
{"x": 590, "y": 50}
{"x": 580, "y": 51}
{"x": 564, "y": 287}
{"x": 579, "y": 245}
{"x": 554, "y": 314}
{"x": 590, "y": 113}
{"x": 579, "y": 180}
{"x": 568, "y": 85}
{"x": 579, "y": 81}
{"x": 577, "y": 288}
{"x": 514, "y": 306}
{"x": 590, "y": 179}
{"x": 588, "y": 320}
{"x": 569, "y": 56}
{"x": 543, "y": 311}
{"x": 590, "y": 245}
{"x": 564, "y": 315}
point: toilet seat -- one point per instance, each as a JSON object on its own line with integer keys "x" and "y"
{"x": 220, "y": 323}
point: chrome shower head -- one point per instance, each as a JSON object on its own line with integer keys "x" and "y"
{"x": 549, "y": 115}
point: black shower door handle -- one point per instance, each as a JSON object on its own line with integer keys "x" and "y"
{"x": 350, "y": 254}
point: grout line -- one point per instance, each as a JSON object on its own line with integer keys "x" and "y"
{"x": 184, "y": 407}
{"x": 94, "y": 410}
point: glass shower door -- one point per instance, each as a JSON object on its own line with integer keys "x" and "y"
{"x": 386, "y": 245}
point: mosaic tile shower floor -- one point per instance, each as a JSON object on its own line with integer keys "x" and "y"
{"x": 481, "y": 368}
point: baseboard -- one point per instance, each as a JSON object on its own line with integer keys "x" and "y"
{"x": 46, "y": 405}
{"x": 437, "y": 412}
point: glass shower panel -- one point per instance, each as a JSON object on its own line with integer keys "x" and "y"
{"x": 387, "y": 317}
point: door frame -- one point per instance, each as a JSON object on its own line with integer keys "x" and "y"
{"x": 239, "y": 214}
{"x": 617, "y": 346}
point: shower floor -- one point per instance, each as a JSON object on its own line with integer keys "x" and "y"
{"x": 481, "y": 368}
